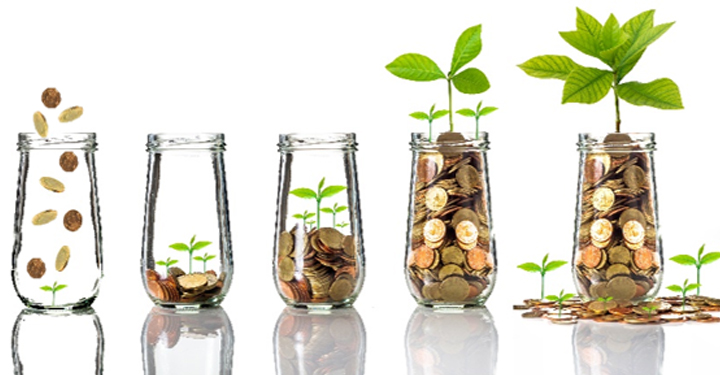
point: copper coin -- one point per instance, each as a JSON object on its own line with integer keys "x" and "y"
{"x": 634, "y": 177}
{"x": 601, "y": 230}
{"x": 68, "y": 161}
{"x": 426, "y": 169}
{"x": 468, "y": 177}
{"x": 36, "y": 268}
{"x": 154, "y": 288}
{"x": 424, "y": 257}
{"x": 633, "y": 232}
{"x": 591, "y": 256}
{"x": 476, "y": 258}
{"x": 644, "y": 258}
{"x": 72, "y": 220}
{"x": 434, "y": 230}
{"x": 51, "y": 97}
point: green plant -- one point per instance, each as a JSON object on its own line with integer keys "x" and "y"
{"x": 420, "y": 68}
{"x": 334, "y": 210}
{"x": 546, "y": 267}
{"x": 310, "y": 223}
{"x": 683, "y": 289}
{"x": 54, "y": 288}
{"x": 560, "y": 298}
{"x": 688, "y": 260}
{"x": 342, "y": 225}
{"x": 477, "y": 113}
{"x": 430, "y": 117}
{"x": 605, "y": 301}
{"x": 167, "y": 263}
{"x": 649, "y": 310}
{"x": 204, "y": 259}
{"x": 190, "y": 248}
{"x": 620, "y": 48}
{"x": 318, "y": 196}
{"x": 304, "y": 216}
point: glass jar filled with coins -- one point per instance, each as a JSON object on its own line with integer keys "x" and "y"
{"x": 618, "y": 250}
{"x": 187, "y": 254}
{"x": 450, "y": 259}
{"x": 318, "y": 259}
{"x": 57, "y": 258}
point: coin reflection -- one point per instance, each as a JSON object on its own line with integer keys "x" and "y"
{"x": 187, "y": 342}
{"x": 453, "y": 342}
{"x": 613, "y": 349}
{"x": 40, "y": 342}
{"x": 319, "y": 342}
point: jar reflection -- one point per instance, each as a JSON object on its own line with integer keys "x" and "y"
{"x": 618, "y": 349}
{"x": 451, "y": 342}
{"x": 40, "y": 342}
{"x": 187, "y": 342}
{"x": 319, "y": 342}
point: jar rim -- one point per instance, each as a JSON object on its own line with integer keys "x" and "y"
{"x": 60, "y": 141}
{"x": 640, "y": 141}
{"x": 317, "y": 141}
{"x": 420, "y": 141}
{"x": 185, "y": 141}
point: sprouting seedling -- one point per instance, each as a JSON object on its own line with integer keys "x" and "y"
{"x": 430, "y": 117}
{"x": 204, "y": 259}
{"x": 311, "y": 222}
{"x": 305, "y": 216}
{"x": 560, "y": 298}
{"x": 619, "y": 48}
{"x": 688, "y": 260}
{"x": 167, "y": 263}
{"x": 342, "y": 225}
{"x": 321, "y": 193}
{"x": 683, "y": 289}
{"x": 546, "y": 267}
{"x": 420, "y": 68}
{"x": 605, "y": 301}
{"x": 54, "y": 288}
{"x": 190, "y": 248}
{"x": 334, "y": 210}
{"x": 477, "y": 113}
{"x": 649, "y": 310}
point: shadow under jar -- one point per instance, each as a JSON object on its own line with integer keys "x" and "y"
{"x": 187, "y": 253}
{"x": 318, "y": 259}
{"x": 618, "y": 250}
{"x": 450, "y": 259}
{"x": 57, "y": 257}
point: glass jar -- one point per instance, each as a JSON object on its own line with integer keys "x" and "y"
{"x": 451, "y": 342}
{"x": 58, "y": 342}
{"x": 450, "y": 255}
{"x": 319, "y": 258}
{"x": 319, "y": 342}
{"x": 187, "y": 254}
{"x": 57, "y": 258}
{"x": 187, "y": 342}
{"x": 618, "y": 250}
{"x": 602, "y": 348}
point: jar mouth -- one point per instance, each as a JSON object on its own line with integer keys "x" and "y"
{"x": 317, "y": 141}
{"x": 421, "y": 141}
{"x": 186, "y": 141}
{"x": 616, "y": 142}
{"x": 60, "y": 141}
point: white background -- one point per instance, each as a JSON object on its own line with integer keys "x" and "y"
{"x": 255, "y": 69}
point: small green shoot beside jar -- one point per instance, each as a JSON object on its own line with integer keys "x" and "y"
{"x": 546, "y": 267}
{"x": 688, "y": 260}
{"x": 683, "y": 289}
{"x": 559, "y": 299}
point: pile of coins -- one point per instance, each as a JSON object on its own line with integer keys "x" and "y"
{"x": 450, "y": 261}
{"x": 320, "y": 266}
{"x": 660, "y": 310}
{"x": 617, "y": 253}
{"x": 184, "y": 288}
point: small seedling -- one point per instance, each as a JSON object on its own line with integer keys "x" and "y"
{"x": 318, "y": 196}
{"x": 683, "y": 289}
{"x": 560, "y": 298}
{"x": 420, "y": 68}
{"x": 342, "y": 225}
{"x": 54, "y": 288}
{"x": 334, "y": 210}
{"x": 204, "y": 259}
{"x": 688, "y": 260}
{"x": 305, "y": 216}
{"x": 430, "y": 117}
{"x": 167, "y": 263}
{"x": 546, "y": 267}
{"x": 310, "y": 223}
{"x": 477, "y": 113}
{"x": 620, "y": 48}
{"x": 650, "y": 309}
{"x": 190, "y": 248}
{"x": 605, "y": 301}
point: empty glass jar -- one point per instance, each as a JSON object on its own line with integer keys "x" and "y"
{"x": 450, "y": 254}
{"x": 319, "y": 258}
{"x": 57, "y": 258}
{"x": 618, "y": 250}
{"x": 187, "y": 255}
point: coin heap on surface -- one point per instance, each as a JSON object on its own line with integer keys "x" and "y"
{"x": 617, "y": 249}
{"x": 178, "y": 286}
{"x": 450, "y": 260}
{"x": 320, "y": 266}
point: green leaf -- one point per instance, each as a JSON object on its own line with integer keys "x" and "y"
{"x": 612, "y": 34}
{"x": 477, "y": 109}
{"x": 331, "y": 190}
{"x": 198, "y": 258}
{"x": 467, "y": 48}
{"x": 180, "y": 246}
{"x": 629, "y": 64}
{"x": 312, "y": 214}
{"x": 530, "y": 267}
{"x": 415, "y": 67}
{"x": 675, "y": 288}
{"x": 701, "y": 251}
{"x": 710, "y": 257}
{"x": 467, "y": 112}
{"x": 170, "y": 263}
{"x": 471, "y": 81}
{"x": 638, "y": 24}
{"x": 432, "y": 109}
{"x": 419, "y": 115}
{"x": 661, "y": 93}
{"x": 298, "y": 216}
{"x": 192, "y": 240}
{"x": 644, "y": 39}
{"x": 555, "y": 264}
{"x": 608, "y": 299}
{"x": 321, "y": 184}
{"x": 161, "y": 263}
{"x": 552, "y": 298}
{"x": 583, "y": 42}
{"x": 549, "y": 66}
{"x": 587, "y": 85}
{"x": 327, "y": 210}
{"x": 440, "y": 113}
{"x": 46, "y": 288}
{"x": 340, "y": 209}
{"x": 210, "y": 257}
{"x": 567, "y": 296}
{"x": 587, "y": 23}
{"x": 200, "y": 245}
{"x": 685, "y": 260}
{"x": 304, "y": 193}
{"x": 310, "y": 222}
{"x": 60, "y": 287}
{"x": 691, "y": 287}
{"x": 545, "y": 258}
{"x": 486, "y": 111}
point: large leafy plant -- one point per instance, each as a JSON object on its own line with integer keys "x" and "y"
{"x": 619, "y": 48}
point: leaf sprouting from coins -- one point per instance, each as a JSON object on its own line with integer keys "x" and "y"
{"x": 688, "y": 260}
{"x": 431, "y": 116}
{"x": 190, "y": 248}
{"x": 477, "y": 113}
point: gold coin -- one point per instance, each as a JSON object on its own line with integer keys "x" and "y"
{"x": 71, "y": 114}
{"x": 454, "y": 289}
{"x": 634, "y": 177}
{"x": 436, "y": 198}
{"x": 286, "y": 270}
{"x": 631, "y": 214}
{"x": 349, "y": 246}
{"x": 63, "y": 256}
{"x": 468, "y": 177}
{"x": 621, "y": 287}
{"x": 601, "y": 230}
{"x": 434, "y": 230}
{"x": 193, "y": 281}
{"x": 465, "y": 214}
{"x": 633, "y": 246}
{"x": 466, "y": 232}
{"x": 452, "y": 255}
{"x": 619, "y": 255}
{"x": 598, "y": 290}
{"x": 450, "y": 270}
{"x": 41, "y": 125}
{"x": 466, "y": 246}
{"x": 44, "y": 217}
{"x": 341, "y": 289}
{"x": 431, "y": 291}
{"x": 52, "y": 184}
{"x": 633, "y": 232}
{"x": 615, "y": 270}
{"x": 603, "y": 199}
{"x": 618, "y": 144}
{"x": 331, "y": 237}
{"x": 285, "y": 244}
{"x": 434, "y": 245}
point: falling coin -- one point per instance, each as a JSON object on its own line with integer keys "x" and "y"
{"x": 601, "y": 230}
{"x": 466, "y": 232}
{"x": 633, "y": 232}
{"x": 436, "y": 198}
{"x": 68, "y": 161}
{"x": 51, "y": 97}
{"x": 41, "y": 125}
{"x": 434, "y": 230}
{"x": 70, "y": 114}
{"x": 52, "y": 184}
{"x": 63, "y": 256}
{"x": 36, "y": 268}
{"x": 72, "y": 220}
{"x": 468, "y": 177}
{"x": 44, "y": 217}
{"x": 603, "y": 199}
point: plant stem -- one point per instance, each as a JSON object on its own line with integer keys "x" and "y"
{"x": 698, "y": 280}
{"x": 542, "y": 286}
{"x": 204, "y": 266}
{"x": 190, "y": 267}
{"x": 452, "y": 127}
{"x": 430, "y": 131}
{"x": 477, "y": 127}
{"x": 318, "y": 211}
{"x": 334, "y": 218}
{"x": 617, "y": 103}
{"x": 53, "y": 301}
